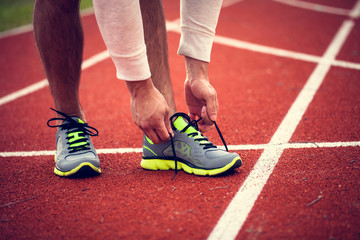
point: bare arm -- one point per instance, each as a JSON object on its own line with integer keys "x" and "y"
{"x": 198, "y": 22}
{"x": 200, "y": 96}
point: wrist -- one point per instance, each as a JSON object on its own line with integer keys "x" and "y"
{"x": 196, "y": 69}
{"x": 137, "y": 88}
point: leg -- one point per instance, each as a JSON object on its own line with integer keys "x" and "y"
{"x": 156, "y": 44}
{"x": 59, "y": 37}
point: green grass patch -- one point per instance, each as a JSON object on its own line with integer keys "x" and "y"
{"x": 16, "y": 13}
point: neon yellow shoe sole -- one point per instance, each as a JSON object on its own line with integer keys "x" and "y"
{"x": 84, "y": 168}
{"x": 162, "y": 164}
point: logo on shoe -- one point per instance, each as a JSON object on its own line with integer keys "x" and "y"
{"x": 183, "y": 151}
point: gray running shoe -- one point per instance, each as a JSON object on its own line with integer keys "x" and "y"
{"x": 188, "y": 150}
{"x": 75, "y": 153}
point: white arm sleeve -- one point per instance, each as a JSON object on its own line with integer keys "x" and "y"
{"x": 121, "y": 27}
{"x": 198, "y": 22}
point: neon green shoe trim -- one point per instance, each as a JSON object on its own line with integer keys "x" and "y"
{"x": 161, "y": 164}
{"x": 73, "y": 171}
{"x": 150, "y": 150}
{"x": 75, "y": 136}
{"x": 180, "y": 123}
{"x": 78, "y": 144}
{"x": 149, "y": 140}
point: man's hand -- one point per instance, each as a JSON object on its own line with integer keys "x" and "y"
{"x": 200, "y": 96}
{"x": 149, "y": 110}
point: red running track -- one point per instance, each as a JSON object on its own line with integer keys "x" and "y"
{"x": 300, "y": 178}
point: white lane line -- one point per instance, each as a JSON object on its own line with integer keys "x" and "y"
{"x": 266, "y": 49}
{"x": 273, "y": 50}
{"x": 294, "y": 145}
{"x": 315, "y": 7}
{"x": 174, "y": 27}
{"x": 43, "y": 83}
{"x": 86, "y": 64}
{"x": 231, "y": 147}
{"x": 282, "y": 52}
{"x": 344, "y": 64}
{"x": 22, "y": 92}
{"x": 16, "y": 31}
{"x": 355, "y": 12}
{"x": 227, "y": 3}
{"x": 239, "y": 208}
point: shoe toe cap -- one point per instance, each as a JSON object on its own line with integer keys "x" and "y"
{"x": 72, "y": 161}
{"x": 219, "y": 158}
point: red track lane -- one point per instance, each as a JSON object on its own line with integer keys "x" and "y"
{"x": 339, "y": 91}
{"x": 351, "y": 49}
{"x": 272, "y": 24}
{"x": 20, "y": 64}
{"x": 312, "y": 194}
{"x": 255, "y": 91}
{"x": 346, "y": 4}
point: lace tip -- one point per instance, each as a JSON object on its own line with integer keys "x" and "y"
{"x": 221, "y": 136}
{"x": 173, "y": 176}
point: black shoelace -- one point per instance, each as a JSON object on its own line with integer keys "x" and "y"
{"x": 193, "y": 123}
{"x": 72, "y": 126}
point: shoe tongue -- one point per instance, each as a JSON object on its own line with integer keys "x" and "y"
{"x": 76, "y": 119}
{"x": 180, "y": 123}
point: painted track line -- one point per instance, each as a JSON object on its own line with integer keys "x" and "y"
{"x": 25, "y": 91}
{"x": 320, "y": 8}
{"x": 239, "y": 208}
{"x": 283, "y": 53}
{"x": 227, "y": 3}
{"x": 174, "y": 27}
{"x": 355, "y": 12}
{"x": 275, "y": 51}
{"x": 231, "y": 147}
{"x": 86, "y": 64}
{"x": 43, "y": 83}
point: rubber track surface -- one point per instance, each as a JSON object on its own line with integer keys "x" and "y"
{"x": 263, "y": 56}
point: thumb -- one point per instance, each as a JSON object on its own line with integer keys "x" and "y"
{"x": 212, "y": 107}
{"x": 205, "y": 116}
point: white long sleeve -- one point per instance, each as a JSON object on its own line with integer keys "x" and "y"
{"x": 121, "y": 27}
{"x": 198, "y": 22}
